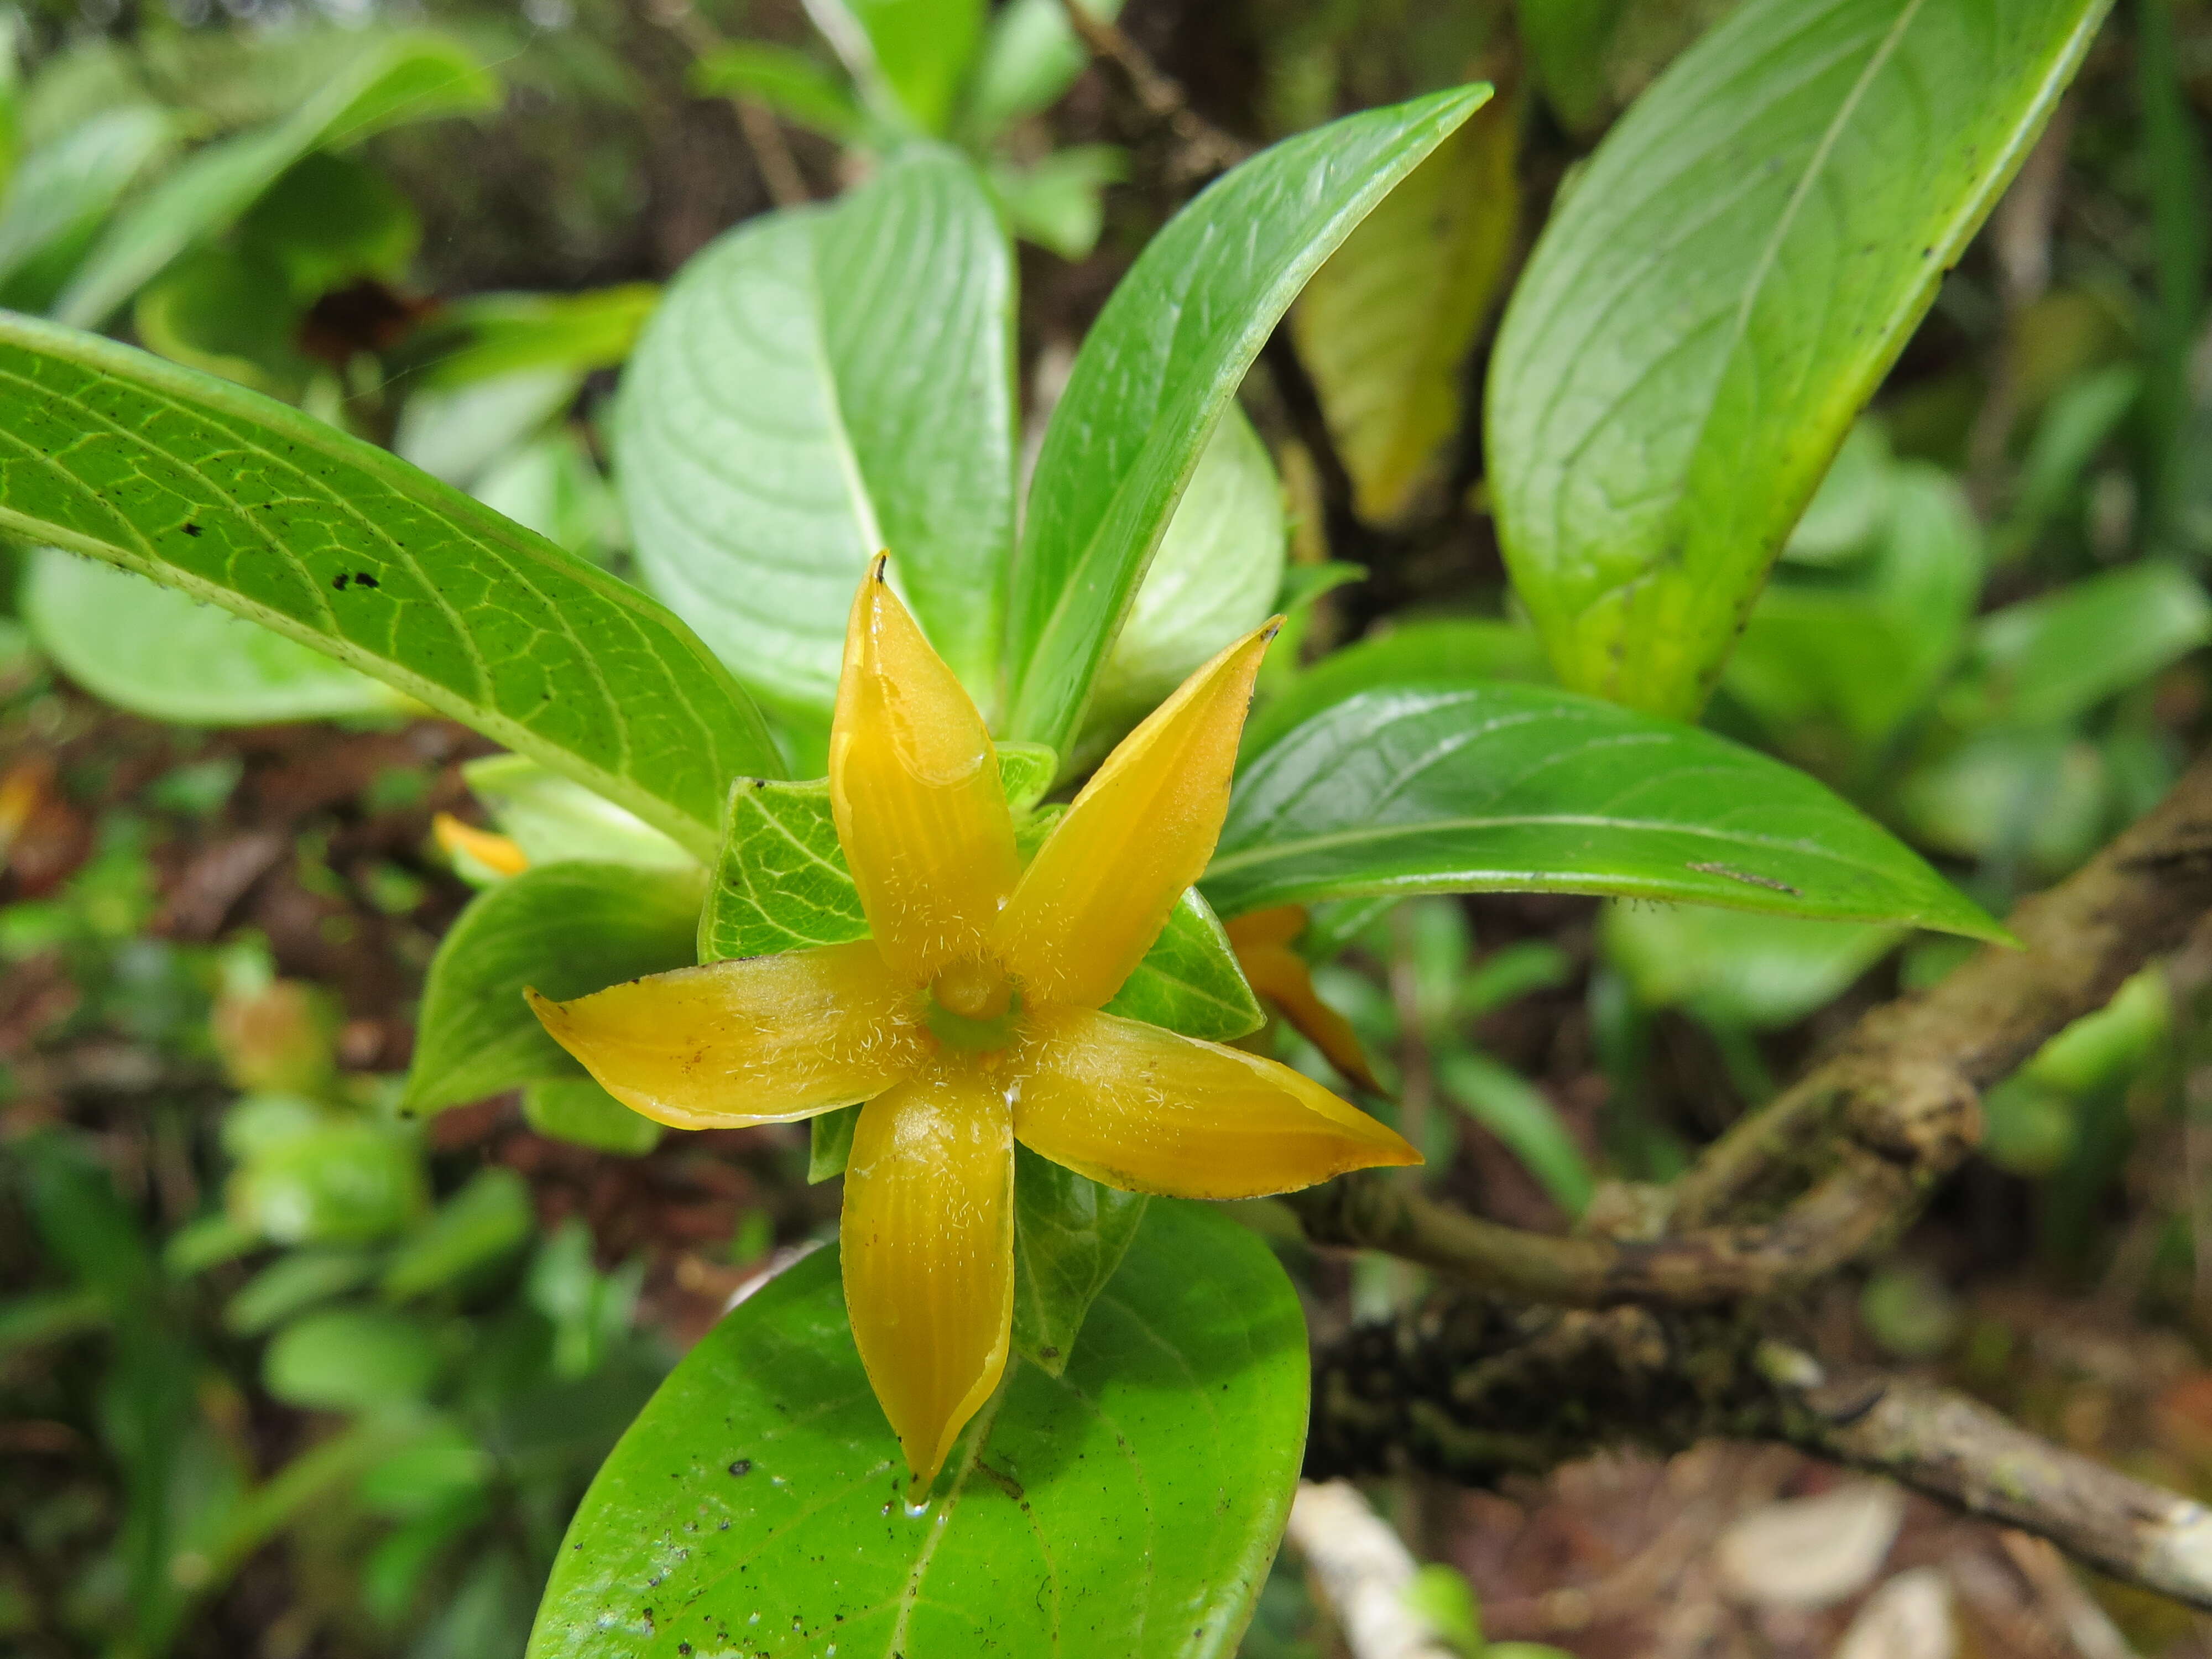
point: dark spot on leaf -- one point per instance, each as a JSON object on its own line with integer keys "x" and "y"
{"x": 364, "y": 579}
{"x": 191, "y": 529}
{"x": 340, "y": 584}
{"x": 742, "y": 1465}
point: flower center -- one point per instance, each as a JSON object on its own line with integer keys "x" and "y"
{"x": 972, "y": 1006}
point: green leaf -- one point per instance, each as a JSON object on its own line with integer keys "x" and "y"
{"x": 65, "y": 189}
{"x": 576, "y": 1110}
{"x": 781, "y": 884}
{"x": 1070, "y": 1235}
{"x": 1503, "y": 787}
{"x": 161, "y": 653}
{"x": 354, "y": 1359}
{"x": 1157, "y": 369}
{"x": 344, "y": 1181}
{"x": 294, "y": 1283}
{"x": 488, "y": 336}
{"x": 789, "y": 81}
{"x": 2013, "y": 794}
{"x": 820, "y": 385}
{"x": 917, "y": 51}
{"x": 1127, "y": 1509}
{"x": 1057, "y": 200}
{"x": 1030, "y": 57}
{"x": 1567, "y": 39}
{"x": 564, "y": 929}
{"x": 332, "y": 219}
{"x": 1733, "y": 967}
{"x": 1522, "y": 1116}
{"x": 1445, "y": 649}
{"x": 1385, "y": 326}
{"x": 225, "y": 310}
{"x": 407, "y": 77}
{"x": 487, "y": 1221}
{"x": 458, "y": 432}
{"x": 238, "y": 500}
{"x": 830, "y": 1146}
{"x": 1728, "y": 280}
{"x": 1215, "y": 578}
{"x": 1867, "y": 643}
{"x": 1189, "y": 980}
{"x": 554, "y": 821}
{"x": 2050, "y": 659}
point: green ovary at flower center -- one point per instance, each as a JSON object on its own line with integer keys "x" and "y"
{"x": 973, "y": 1007}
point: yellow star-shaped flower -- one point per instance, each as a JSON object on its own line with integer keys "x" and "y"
{"x": 970, "y": 1019}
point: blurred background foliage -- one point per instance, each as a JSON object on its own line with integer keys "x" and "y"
{"x": 283, "y": 1370}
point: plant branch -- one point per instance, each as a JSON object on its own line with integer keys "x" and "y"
{"x": 1470, "y": 1389}
{"x": 1361, "y": 1570}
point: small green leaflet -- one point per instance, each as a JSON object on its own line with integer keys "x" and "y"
{"x": 1114, "y": 1512}
{"x": 564, "y": 929}
{"x": 1070, "y": 1234}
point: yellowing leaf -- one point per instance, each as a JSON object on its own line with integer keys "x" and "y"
{"x": 1385, "y": 327}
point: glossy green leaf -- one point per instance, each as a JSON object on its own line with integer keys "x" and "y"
{"x": 1155, "y": 374}
{"x": 1735, "y": 968}
{"x": 351, "y": 1359}
{"x": 1408, "y": 654}
{"x": 819, "y": 386}
{"x": 1127, "y": 1509}
{"x": 2053, "y": 659}
{"x": 65, "y": 189}
{"x": 576, "y": 1110}
{"x": 405, "y": 77}
{"x": 1522, "y": 1116}
{"x": 564, "y": 929}
{"x": 1484, "y": 787}
{"x": 1030, "y": 57}
{"x": 1070, "y": 1235}
{"x": 1725, "y": 285}
{"x": 554, "y": 821}
{"x": 163, "y": 654}
{"x": 829, "y": 1144}
{"x": 789, "y": 81}
{"x": 1189, "y": 980}
{"x": 106, "y": 450}
{"x": 1384, "y": 327}
{"x": 487, "y": 1221}
{"x": 1215, "y": 579}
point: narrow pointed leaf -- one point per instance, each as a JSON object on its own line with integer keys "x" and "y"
{"x": 1484, "y": 787}
{"x": 1070, "y": 1234}
{"x": 1115, "y": 1513}
{"x": 1156, "y": 372}
{"x": 1724, "y": 287}
{"x": 564, "y": 929}
{"x": 242, "y": 502}
{"x": 818, "y": 387}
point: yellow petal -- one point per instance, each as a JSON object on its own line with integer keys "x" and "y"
{"x": 914, "y": 782}
{"x": 1098, "y": 892}
{"x": 763, "y": 1040}
{"x": 1262, "y": 940}
{"x": 496, "y": 853}
{"x": 928, "y": 1246}
{"x": 1140, "y": 1107}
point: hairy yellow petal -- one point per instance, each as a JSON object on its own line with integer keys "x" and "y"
{"x": 763, "y": 1040}
{"x": 928, "y": 1247}
{"x": 1140, "y": 1107}
{"x": 914, "y": 782}
{"x": 1098, "y": 892}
